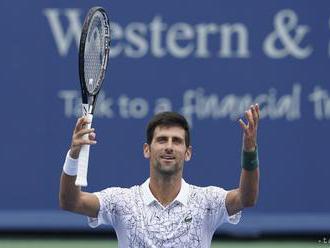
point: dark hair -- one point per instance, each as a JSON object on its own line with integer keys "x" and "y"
{"x": 167, "y": 119}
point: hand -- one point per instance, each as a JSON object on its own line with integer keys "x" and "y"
{"x": 250, "y": 129}
{"x": 78, "y": 137}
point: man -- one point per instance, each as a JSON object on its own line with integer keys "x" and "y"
{"x": 164, "y": 211}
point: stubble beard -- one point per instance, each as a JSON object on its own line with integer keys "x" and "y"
{"x": 168, "y": 169}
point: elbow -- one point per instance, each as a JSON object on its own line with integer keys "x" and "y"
{"x": 250, "y": 203}
{"x": 66, "y": 204}
{"x": 249, "y": 198}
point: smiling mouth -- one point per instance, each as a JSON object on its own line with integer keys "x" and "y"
{"x": 167, "y": 157}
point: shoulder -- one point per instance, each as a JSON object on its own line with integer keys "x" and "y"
{"x": 117, "y": 190}
{"x": 207, "y": 195}
{"x": 115, "y": 195}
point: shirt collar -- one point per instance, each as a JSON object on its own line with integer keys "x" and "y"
{"x": 149, "y": 198}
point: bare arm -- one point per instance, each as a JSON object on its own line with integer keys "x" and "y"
{"x": 247, "y": 193}
{"x": 70, "y": 196}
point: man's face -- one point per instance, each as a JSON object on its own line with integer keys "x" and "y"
{"x": 167, "y": 151}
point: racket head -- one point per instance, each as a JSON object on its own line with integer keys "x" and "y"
{"x": 93, "y": 52}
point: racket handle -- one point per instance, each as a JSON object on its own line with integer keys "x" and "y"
{"x": 81, "y": 179}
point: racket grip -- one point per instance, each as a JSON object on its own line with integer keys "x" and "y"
{"x": 81, "y": 179}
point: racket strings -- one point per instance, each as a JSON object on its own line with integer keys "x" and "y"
{"x": 94, "y": 54}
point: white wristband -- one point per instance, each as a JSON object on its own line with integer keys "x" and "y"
{"x": 70, "y": 166}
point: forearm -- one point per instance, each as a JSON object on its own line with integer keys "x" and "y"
{"x": 69, "y": 193}
{"x": 249, "y": 181}
{"x": 249, "y": 187}
{"x": 71, "y": 197}
{"x": 247, "y": 193}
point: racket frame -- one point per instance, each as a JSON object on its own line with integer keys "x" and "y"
{"x": 89, "y": 98}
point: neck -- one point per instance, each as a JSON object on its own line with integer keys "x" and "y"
{"x": 165, "y": 189}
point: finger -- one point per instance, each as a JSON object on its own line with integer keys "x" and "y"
{"x": 258, "y": 110}
{"x": 81, "y": 122}
{"x": 85, "y": 121}
{"x": 82, "y": 139}
{"x": 84, "y": 131}
{"x": 248, "y": 116}
{"x": 254, "y": 115}
{"x": 242, "y": 124}
{"x": 92, "y": 136}
{"x": 81, "y": 142}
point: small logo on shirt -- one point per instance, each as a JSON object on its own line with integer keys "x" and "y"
{"x": 188, "y": 219}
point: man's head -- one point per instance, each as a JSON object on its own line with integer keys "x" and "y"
{"x": 168, "y": 143}
{"x": 168, "y": 119}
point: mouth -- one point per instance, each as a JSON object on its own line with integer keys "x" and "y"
{"x": 167, "y": 157}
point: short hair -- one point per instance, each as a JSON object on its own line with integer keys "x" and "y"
{"x": 168, "y": 119}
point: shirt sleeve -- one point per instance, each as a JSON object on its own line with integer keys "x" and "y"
{"x": 109, "y": 200}
{"x": 216, "y": 198}
{"x": 233, "y": 219}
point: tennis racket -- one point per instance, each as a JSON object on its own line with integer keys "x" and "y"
{"x": 93, "y": 59}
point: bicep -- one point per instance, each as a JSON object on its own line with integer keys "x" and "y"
{"x": 88, "y": 204}
{"x": 233, "y": 202}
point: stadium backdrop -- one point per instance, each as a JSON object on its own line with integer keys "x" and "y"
{"x": 206, "y": 59}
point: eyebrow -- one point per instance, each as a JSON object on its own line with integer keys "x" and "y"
{"x": 166, "y": 137}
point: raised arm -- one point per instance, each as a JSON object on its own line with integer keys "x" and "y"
{"x": 70, "y": 196}
{"x": 247, "y": 193}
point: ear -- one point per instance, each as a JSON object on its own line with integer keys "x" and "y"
{"x": 188, "y": 154}
{"x": 146, "y": 150}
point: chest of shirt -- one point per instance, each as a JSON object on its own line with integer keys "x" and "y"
{"x": 155, "y": 226}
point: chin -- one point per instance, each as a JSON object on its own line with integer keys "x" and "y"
{"x": 169, "y": 169}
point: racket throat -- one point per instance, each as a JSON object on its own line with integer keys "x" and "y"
{"x": 86, "y": 109}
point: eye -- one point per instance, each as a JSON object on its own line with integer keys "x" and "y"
{"x": 177, "y": 140}
{"x": 161, "y": 139}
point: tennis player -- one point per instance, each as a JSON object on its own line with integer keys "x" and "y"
{"x": 165, "y": 210}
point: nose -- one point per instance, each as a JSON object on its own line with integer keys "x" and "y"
{"x": 169, "y": 146}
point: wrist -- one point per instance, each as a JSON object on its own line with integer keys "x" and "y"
{"x": 250, "y": 159}
{"x": 251, "y": 148}
{"x": 74, "y": 152}
{"x": 249, "y": 143}
{"x": 70, "y": 166}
